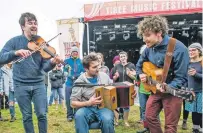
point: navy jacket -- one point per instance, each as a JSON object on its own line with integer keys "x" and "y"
{"x": 177, "y": 76}
{"x": 31, "y": 70}
{"x": 195, "y": 82}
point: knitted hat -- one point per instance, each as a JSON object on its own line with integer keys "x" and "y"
{"x": 116, "y": 58}
{"x": 74, "y": 49}
{"x": 196, "y": 45}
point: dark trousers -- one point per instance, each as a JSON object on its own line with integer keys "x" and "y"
{"x": 172, "y": 110}
{"x": 197, "y": 119}
{"x": 185, "y": 112}
{"x": 70, "y": 110}
{"x": 4, "y": 102}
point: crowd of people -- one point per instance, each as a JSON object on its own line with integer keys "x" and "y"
{"x": 26, "y": 81}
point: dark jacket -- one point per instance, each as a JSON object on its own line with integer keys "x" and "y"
{"x": 57, "y": 79}
{"x": 195, "y": 82}
{"x": 177, "y": 76}
{"x": 122, "y": 72}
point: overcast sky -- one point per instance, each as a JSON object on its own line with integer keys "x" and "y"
{"x": 47, "y": 12}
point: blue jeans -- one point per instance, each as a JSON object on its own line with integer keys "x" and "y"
{"x": 11, "y": 106}
{"x": 86, "y": 115}
{"x": 51, "y": 98}
{"x": 25, "y": 95}
{"x": 143, "y": 100}
{"x": 70, "y": 111}
{"x": 58, "y": 92}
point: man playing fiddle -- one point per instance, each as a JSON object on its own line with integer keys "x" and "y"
{"x": 28, "y": 75}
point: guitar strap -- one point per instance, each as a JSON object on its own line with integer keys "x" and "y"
{"x": 168, "y": 58}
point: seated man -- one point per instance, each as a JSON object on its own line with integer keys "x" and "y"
{"x": 83, "y": 98}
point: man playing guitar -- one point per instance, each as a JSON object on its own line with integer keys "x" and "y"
{"x": 154, "y": 31}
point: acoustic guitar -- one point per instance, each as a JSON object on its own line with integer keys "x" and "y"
{"x": 154, "y": 76}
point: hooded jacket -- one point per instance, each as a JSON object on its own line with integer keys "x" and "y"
{"x": 57, "y": 79}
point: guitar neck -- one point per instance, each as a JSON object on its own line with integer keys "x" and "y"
{"x": 168, "y": 89}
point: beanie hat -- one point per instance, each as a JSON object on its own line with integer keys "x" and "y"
{"x": 116, "y": 58}
{"x": 196, "y": 45}
{"x": 74, "y": 49}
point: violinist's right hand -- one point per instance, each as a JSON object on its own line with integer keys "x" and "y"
{"x": 23, "y": 53}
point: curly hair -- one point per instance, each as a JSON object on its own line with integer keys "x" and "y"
{"x": 155, "y": 24}
{"x": 88, "y": 59}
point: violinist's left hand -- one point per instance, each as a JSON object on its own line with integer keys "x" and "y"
{"x": 56, "y": 60}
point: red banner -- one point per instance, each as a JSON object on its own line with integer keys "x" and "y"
{"x": 140, "y": 8}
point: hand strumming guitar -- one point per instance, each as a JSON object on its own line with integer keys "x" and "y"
{"x": 161, "y": 87}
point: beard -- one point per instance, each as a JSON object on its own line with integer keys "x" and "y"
{"x": 93, "y": 74}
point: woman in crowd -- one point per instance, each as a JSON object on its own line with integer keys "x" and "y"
{"x": 116, "y": 60}
{"x": 57, "y": 79}
{"x": 102, "y": 67}
{"x": 195, "y": 82}
{"x": 8, "y": 88}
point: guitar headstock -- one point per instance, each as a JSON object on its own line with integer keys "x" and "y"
{"x": 186, "y": 94}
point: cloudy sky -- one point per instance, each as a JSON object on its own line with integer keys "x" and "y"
{"x": 47, "y": 12}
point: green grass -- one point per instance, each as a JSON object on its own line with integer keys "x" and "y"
{"x": 57, "y": 122}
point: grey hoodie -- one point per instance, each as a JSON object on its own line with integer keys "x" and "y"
{"x": 85, "y": 93}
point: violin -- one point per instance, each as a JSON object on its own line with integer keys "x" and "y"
{"x": 38, "y": 44}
